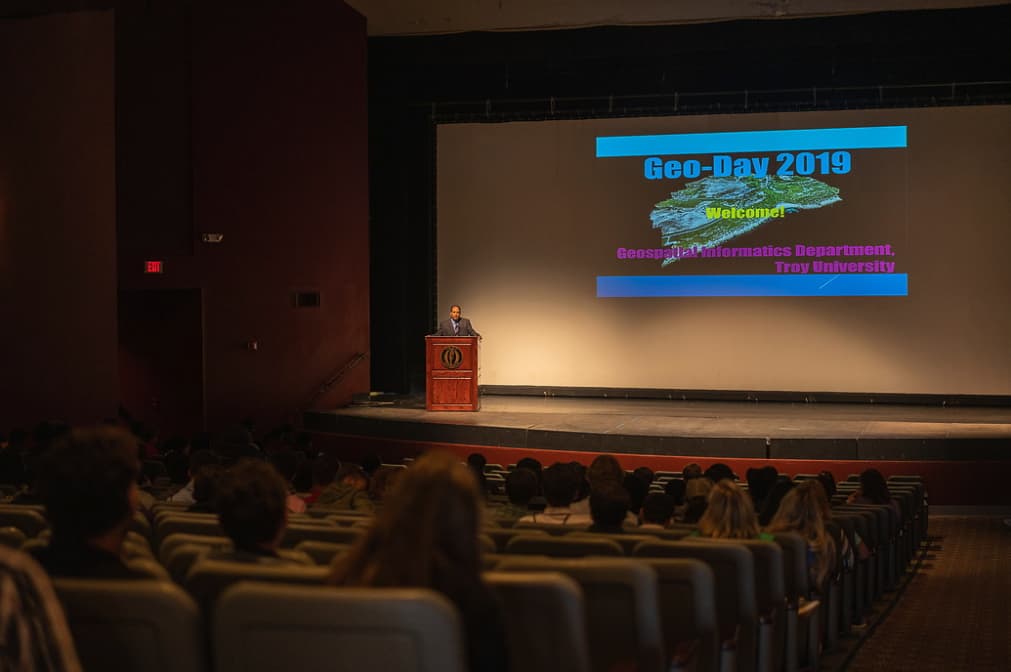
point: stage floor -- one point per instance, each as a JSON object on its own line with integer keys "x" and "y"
{"x": 739, "y": 429}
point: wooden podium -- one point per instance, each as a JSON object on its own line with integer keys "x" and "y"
{"x": 451, "y": 373}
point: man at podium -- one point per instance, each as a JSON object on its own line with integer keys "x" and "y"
{"x": 456, "y": 325}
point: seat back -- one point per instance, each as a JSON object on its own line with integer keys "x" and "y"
{"x": 264, "y": 628}
{"x": 563, "y": 547}
{"x": 734, "y": 569}
{"x": 501, "y": 536}
{"x": 628, "y": 542}
{"x": 133, "y": 625}
{"x": 207, "y": 579}
{"x": 545, "y": 621}
{"x": 322, "y": 552}
{"x": 205, "y": 524}
{"x": 687, "y": 601}
{"x": 28, "y": 519}
{"x": 11, "y": 537}
{"x": 622, "y": 616}
{"x": 332, "y": 533}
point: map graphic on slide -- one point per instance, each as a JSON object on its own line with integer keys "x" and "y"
{"x": 713, "y": 210}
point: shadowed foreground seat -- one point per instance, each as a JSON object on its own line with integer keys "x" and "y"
{"x": 622, "y": 617}
{"x": 545, "y": 621}
{"x": 125, "y": 626}
{"x": 265, "y": 628}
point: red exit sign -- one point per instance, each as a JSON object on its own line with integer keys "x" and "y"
{"x": 154, "y": 266}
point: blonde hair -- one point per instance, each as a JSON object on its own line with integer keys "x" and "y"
{"x": 729, "y": 513}
{"x": 803, "y": 511}
{"x": 424, "y": 536}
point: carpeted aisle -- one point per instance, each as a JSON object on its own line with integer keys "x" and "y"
{"x": 956, "y": 612}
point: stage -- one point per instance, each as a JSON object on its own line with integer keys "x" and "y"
{"x": 755, "y": 430}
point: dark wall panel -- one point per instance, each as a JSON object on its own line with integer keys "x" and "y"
{"x": 57, "y": 219}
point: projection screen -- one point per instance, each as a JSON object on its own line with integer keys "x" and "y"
{"x": 838, "y": 251}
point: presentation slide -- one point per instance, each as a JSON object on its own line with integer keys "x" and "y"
{"x": 843, "y": 251}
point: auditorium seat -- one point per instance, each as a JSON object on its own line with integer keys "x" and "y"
{"x": 29, "y": 519}
{"x": 322, "y": 552}
{"x": 125, "y": 626}
{"x": 11, "y": 537}
{"x": 189, "y": 524}
{"x": 563, "y": 547}
{"x": 207, "y": 579}
{"x": 545, "y": 621}
{"x": 798, "y": 650}
{"x": 628, "y": 542}
{"x": 736, "y": 607}
{"x": 172, "y": 541}
{"x": 265, "y": 628}
{"x": 501, "y": 536}
{"x": 622, "y": 616}
{"x": 687, "y": 602}
{"x": 297, "y": 532}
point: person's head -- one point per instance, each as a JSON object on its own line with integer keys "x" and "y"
{"x": 675, "y": 489}
{"x": 353, "y": 475}
{"x": 729, "y": 513}
{"x": 371, "y": 463}
{"x": 760, "y": 482}
{"x": 205, "y": 483}
{"x": 698, "y": 487}
{"x": 455, "y": 312}
{"x": 424, "y": 536}
{"x": 691, "y": 471}
{"x": 477, "y": 461}
{"x": 252, "y": 505}
{"x": 521, "y": 486}
{"x": 637, "y": 490}
{"x": 694, "y": 508}
{"x": 608, "y": 504}
{"x": 773, "y": 499}
{"x": 559, "y": 484}
{"x": 88, "y": 482}
{"x": 657, "y": 509}
{"x": 718, "y": 472}
{"x": 531, "y": 464}
{"x": 286, "y": 463}
{"x": 604, "y": 468}
{"x": 874, "y": 487}
{"x": 827, "y": 481}
{"x": 383, "y": 482}
{"x": 324, "y": 470}
{"x": 803, "y": 511}
{"x": 645, "y": 474}
{"x": 199, "y": 458}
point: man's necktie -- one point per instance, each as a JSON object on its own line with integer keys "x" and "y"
{"x": 456, "y": 327}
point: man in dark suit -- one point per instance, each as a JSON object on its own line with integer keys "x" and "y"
{"x": 456, "y": 325}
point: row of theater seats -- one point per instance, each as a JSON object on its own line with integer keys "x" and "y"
{"x": 652, "y": 600}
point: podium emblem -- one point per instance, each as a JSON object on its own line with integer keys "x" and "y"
{"x": 452, "y": 357}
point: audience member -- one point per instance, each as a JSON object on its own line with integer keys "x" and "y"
{"x": 657, "y": 511}
{"x": 645, "y": 474}
{"x": 383, "y": 482}
{"x": 604, "y": 468}
{"x": 521, "y": 486}
{"x": 559, "y": 484}
{"x": 719, "y": 471}
{"x": 691, "y": 471}
{"x": 874, "y": 490}
{"x": 783, "y": 486}
{"x": 730, "y": 514}
{"x": 324, "y": 471}
{"x": 697, "y": 491}
{"x": 827, "y": 481}
{"x": 253, "y": 512}
{"x": 802, "y": 511}
{"x": 531, "y": 464}
{"x": 88, "y": 481}
{"x": 608, "y": 507}
{"x": 637, "y": 490}
{"x": 34, "y": 636}
{"x": 476, "y": 462}
{"x": 371, "y": 464}
{"x": 205, "y": 486}
{"x": 675, "y": 489}
{"x": 176, "y": 457}
{"x": 760, "y": 484}
{"x": 426, "y": 536}
{"x": 348, "y": 492}
{"x": 286, "y": 464}
{"x": 198, "y": 458}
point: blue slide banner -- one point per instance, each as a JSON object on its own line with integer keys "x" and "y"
{"x": 859, "y": 137}
{"x": 812, "y": 284}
